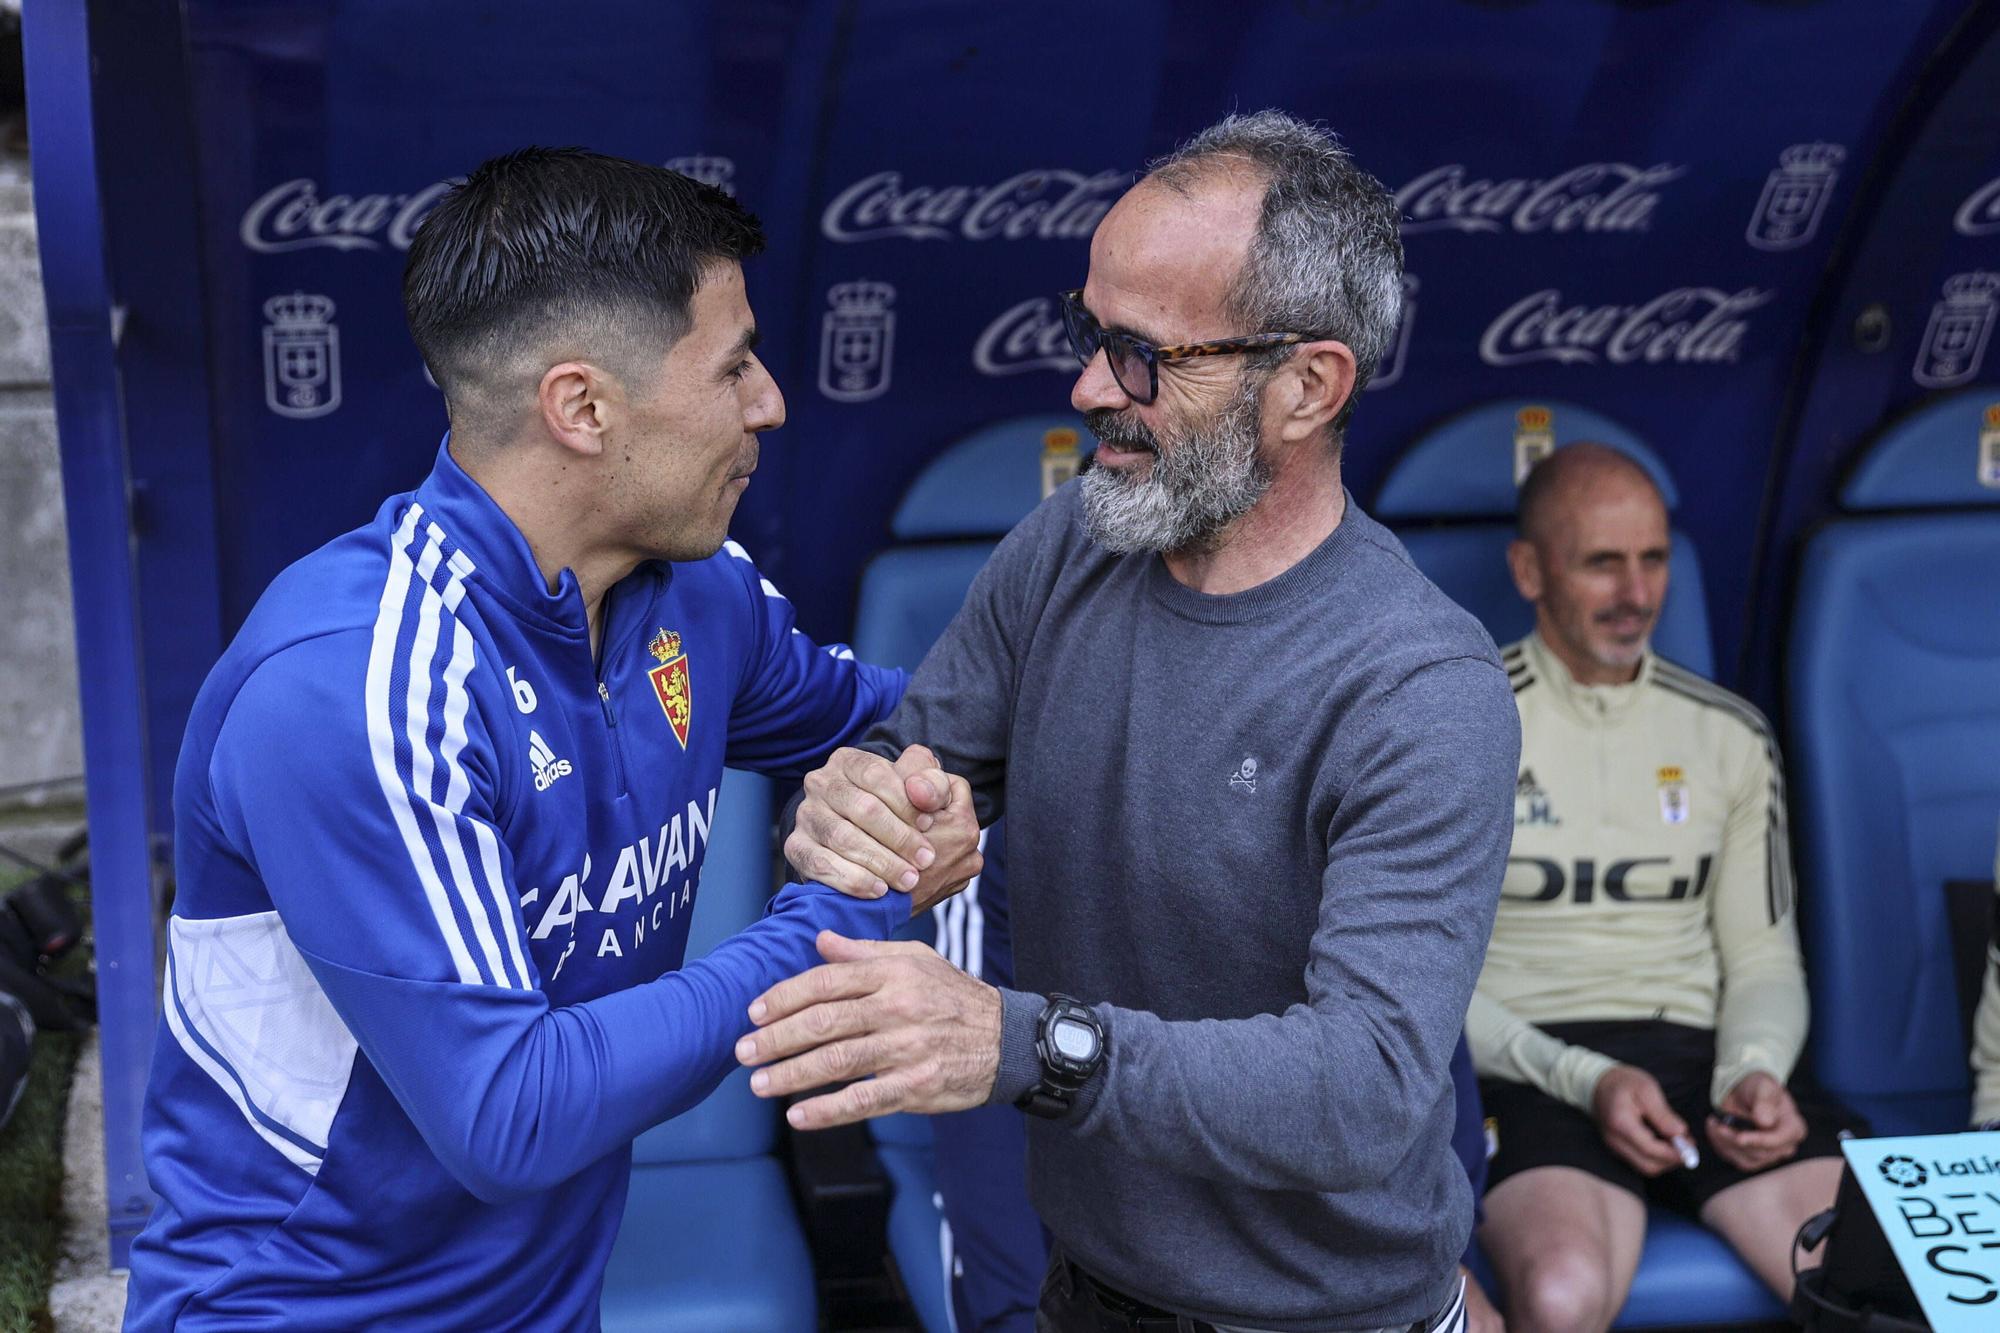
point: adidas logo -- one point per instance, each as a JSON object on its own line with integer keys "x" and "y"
{"x": 547, "y": 767}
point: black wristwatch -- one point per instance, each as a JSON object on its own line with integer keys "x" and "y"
{"x": 1069, "y": 1041}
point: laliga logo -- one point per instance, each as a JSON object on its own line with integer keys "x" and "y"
{"x": 1051, "y": 205}
{"x": 1687, "y": 324}
{"x": 1795, "y": 196}
{"x": 1954, "y": 344}
{"x": 301, "y": 356}
{"x": 1597, "y": 196}
{"x": 1906, "y": 1172}
{"x": 294, "y": 217}
{"x": 857, "y": 344}
{"x": 1979, "y": 215}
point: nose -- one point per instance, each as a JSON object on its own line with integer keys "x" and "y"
{"x": 1097, "y": 387}
{"x": 766, "y": 408}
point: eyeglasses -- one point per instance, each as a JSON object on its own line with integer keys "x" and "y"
{"x": 1135, "y": 363}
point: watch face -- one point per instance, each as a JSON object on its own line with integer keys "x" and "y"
{"x": 1073, "y": 1040}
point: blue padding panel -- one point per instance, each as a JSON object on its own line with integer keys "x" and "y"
{"x": 908, "y": 595}
{"x": 707, "y": 1246}
{"x": 1470, "y": 564}
{"x": 1931, "y": 458}
{"x": 1464, "y": 468}
{"x": 1895, "y": 726}
{"x": 735, "y": 885}
{"x": 1688, "y": 1275}
{"x": 986, "y": 483}
{"x": 916, "y": 1221}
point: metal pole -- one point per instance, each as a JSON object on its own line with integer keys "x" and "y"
{"x": 89, "y": 417}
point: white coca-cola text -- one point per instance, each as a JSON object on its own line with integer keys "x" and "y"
{"x": 1051, "y": 205}
{"x": 1597, "y": 196}
{"x": 1685, "y": 325}
{"x": 293, "y": 216}
{"x": 1028, "y": 336}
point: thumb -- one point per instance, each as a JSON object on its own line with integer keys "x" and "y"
{"x": 837, "y": 948}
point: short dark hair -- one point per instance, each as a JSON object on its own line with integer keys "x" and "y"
{"x": 547, "y": 242}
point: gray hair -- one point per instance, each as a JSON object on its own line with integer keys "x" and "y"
{"x": 1327, "y": 258}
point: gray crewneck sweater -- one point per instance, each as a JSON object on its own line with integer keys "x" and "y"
{"x": 1263, "y": 836}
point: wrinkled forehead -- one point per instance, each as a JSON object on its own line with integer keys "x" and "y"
{"x": 1164, "y": 260}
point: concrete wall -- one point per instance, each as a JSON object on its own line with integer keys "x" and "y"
{"x": 41, "y": 728}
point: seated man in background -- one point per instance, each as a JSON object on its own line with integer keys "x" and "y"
{"x": 1986, "y": 1030}
{"x": 1642, "y": 1004}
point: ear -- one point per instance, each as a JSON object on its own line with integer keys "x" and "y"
{"x": 1525, "y": 564}
{"x": 1320, "y": 383}
{"x": 578, "y": 403}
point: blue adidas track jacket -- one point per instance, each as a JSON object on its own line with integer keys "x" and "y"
{"x": 424, "y": 976}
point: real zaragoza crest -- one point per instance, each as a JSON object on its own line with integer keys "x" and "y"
{"x": 670, "y": 682}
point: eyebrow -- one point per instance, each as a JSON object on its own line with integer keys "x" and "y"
{"x": 1125, "y": 329}
{"x": 744, "y": 345}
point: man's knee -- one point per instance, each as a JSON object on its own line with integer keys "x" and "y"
{"x": 1564, "y": 1291}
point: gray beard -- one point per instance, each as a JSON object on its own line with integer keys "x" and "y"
{"x": 1197, "y": 486}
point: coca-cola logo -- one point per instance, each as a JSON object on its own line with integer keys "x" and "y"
{"x": 294, "y": 216}
{"x": 1597, "y": 196}
{"x": 1979, "y": 215}
{"x": 1028, "y": 336}
{"x": 1049, "y": 205}
{"x": 1688, "y": 325}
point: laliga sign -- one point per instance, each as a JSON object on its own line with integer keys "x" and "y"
{"x": 1050, "y": 205}
{"x": 1687, "y": 324}
{"x": 293, "y": 216}
{"x": 1597, "y": 196}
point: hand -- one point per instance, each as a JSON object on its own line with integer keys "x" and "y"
{"x": 1780, "y": 1128}
{"x": 1480, "y": 1316}
{"x": 864, "y": 821}
{"x": 1637, "y": 1124}
{"x": 928, "y": 1033}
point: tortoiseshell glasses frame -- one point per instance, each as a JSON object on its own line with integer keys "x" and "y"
{"x": 1135, "y": 363}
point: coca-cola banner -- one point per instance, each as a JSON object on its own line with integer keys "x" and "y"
{"x": 1625, "y": 205}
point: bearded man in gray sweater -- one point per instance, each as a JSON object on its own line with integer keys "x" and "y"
{"x": 1259, "y": 779}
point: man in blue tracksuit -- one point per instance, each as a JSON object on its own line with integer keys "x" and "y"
{"x": 442, "y": 806}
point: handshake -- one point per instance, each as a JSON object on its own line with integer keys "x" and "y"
{"x": 867, "y": 825}
{"x": 900, "y": 1026}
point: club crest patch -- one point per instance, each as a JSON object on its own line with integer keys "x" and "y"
{"x": 1674, "y": 800}
{"x": 670, "y": 683}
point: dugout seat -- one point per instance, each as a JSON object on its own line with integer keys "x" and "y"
{"x": 948, "y": 523}
{"x": 1450, "y": 500}
{"x": 711, "y": 1238}
{"x": 1894, "y": 705}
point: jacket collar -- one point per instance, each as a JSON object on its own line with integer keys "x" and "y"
{"x": 503, "y": 563}
{"x": 1591, "y": 704}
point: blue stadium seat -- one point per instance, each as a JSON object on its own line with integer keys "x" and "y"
{"x": 1895, "y": 734}
{"x": 710, "y": 1237}
{"x": 947, "y": 525}
{"x": 1450, "y": 500}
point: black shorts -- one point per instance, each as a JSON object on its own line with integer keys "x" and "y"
{"x": 1528, "y": 1128}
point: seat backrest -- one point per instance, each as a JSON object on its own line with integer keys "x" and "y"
{"x": 1450, "y": 499}
{"x": 735, "y": 884}
{"x": 1894, "y": 705}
